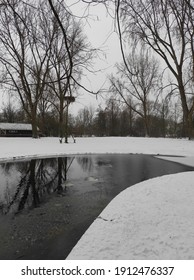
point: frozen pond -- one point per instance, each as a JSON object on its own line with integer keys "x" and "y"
{"x": 47, "y": 204}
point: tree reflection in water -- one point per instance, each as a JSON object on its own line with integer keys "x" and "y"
{"x": 86, "y": 163}
{"x": 38, "y": 178}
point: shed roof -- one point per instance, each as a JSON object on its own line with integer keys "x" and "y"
{"x": 15, "y": 126}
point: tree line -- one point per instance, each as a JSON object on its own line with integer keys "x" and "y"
{"x": 113, "y": 119}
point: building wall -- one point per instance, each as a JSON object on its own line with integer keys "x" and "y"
{"x": 15, "y": 133}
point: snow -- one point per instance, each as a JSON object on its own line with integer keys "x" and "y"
{"x": 28, "y": 147}
{"x": 150, "y": 220}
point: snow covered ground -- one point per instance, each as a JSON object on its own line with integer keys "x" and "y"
{"x": 151, "y": 220}
{"x": 25, "y": 147}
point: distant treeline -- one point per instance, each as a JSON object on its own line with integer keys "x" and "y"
{"x": 113, "y": 120}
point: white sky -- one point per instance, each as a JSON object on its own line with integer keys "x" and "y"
{"x": 100, "y": 31}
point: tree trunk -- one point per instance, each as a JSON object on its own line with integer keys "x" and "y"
{"x": 187, "y": 114}
{"x": 66, "y": 125}
{"x": 61, "y": 125}
{"x": 189, "y": 126}
{"x": 146, "y": 125}
{"x": 34, "y": 123}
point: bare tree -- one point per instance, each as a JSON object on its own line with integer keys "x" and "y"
{"x": 68, "y": 62}
{"x": 9, "y": 112}
{"x": 25, "y": 39}
{"x": 136, "y": 84}
{"x": 166, "y": 26}
{"x": 74, "y": 54}
{"x": 84, "y": 121}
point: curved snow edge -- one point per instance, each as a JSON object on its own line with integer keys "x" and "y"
{"x": 150, "y": 220}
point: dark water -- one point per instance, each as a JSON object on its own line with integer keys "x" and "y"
{"x": 47, "y": 204}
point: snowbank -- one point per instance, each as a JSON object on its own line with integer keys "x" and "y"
{"x": 151, "y": 220}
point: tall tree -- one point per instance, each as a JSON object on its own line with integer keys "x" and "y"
{"x": 136, "y": 82}
{"x": 68, "y": 61}
{"x": 25, "y": 51}
{"x": 72, "y": 55}
{"x": 84, "y": 121}
{"x": 166, "y": 26}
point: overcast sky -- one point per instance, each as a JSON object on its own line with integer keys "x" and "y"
{"x": 101, "y": 34}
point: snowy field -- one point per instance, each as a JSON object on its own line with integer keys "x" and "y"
{"x": 11, "y": 148}
{"x": 157, "y": 223}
